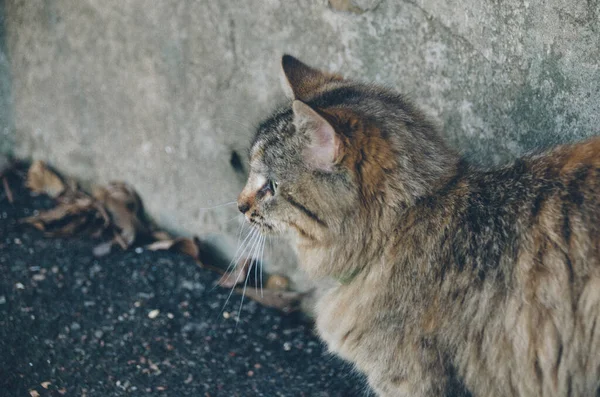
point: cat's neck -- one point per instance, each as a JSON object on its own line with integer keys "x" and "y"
{"x": 365, "y": 242}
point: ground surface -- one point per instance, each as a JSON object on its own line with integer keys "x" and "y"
{"x": 82, "y": 324}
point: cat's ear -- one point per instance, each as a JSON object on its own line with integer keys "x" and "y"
{"x": 300, "y": 81}
{"x": 324, "y": 144}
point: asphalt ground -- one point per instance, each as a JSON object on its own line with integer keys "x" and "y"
{"x": 139, "y": 322}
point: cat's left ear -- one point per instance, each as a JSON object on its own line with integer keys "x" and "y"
{"x": 324, "y": 144}
{"x": 301, "y": 81}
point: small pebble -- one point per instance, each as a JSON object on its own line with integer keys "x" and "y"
{"x": 2, "y": 299}
{"x": 226, "y": 315}
{"x": 170, "y": 316}
{"x": 287, "y": 346}
{"x": 139, "y": 250}
{"x": 75, "y": 327}
{"x": 19, "y": 286}
{"x": 153, "y": 313}
{"x": 98, "y": 334}
{"x": 38, "y": 277}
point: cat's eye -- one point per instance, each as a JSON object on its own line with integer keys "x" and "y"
{"x": 270, "y": 186}
{"x": 273, "y": 186}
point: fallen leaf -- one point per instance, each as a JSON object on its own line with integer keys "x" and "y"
{"x": 45, "y": 384}
{"x": 67, "y": 219}
{"x": 34, "y": 393}
{"x": 125, "y": 209}
{"x": 41, "y": 179}
{"x": 187, "y": 246}
{"x": 286, "y": 301}
{"x": 103, "y": 249}
{"x": 161, "y": 235}
{"x": 235, "y": 276}
{"x": 277, "y": 282}
{"x": 7, "y": 190}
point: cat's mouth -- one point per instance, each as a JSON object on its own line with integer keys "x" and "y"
{"x": 258, "y": 221}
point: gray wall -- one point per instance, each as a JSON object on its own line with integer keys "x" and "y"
{"x": 7, "y": 127}
{"x": 162, "y": 93}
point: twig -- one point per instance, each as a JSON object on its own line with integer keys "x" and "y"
{"x": 7, "y": 190}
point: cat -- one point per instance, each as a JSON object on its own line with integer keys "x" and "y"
{"x": 447, "y": 278}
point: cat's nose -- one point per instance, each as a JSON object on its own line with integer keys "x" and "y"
{"x": 243, "y": 207}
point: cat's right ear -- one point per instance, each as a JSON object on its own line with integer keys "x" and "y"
{"x": 300, "y": 81}
{"x": 324, "y": 145}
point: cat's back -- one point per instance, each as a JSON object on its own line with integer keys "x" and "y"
{"x": 547, "y": 214}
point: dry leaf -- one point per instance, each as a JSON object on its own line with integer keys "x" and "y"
{"x": 66, "y": 219}
{"x": 187, "y": 246}
{"x": 45, "y": 384}
{"x": 277, "y": 282}
{"x": 40, "y": 179}
{"x": 235, "y": 276}
{"x": 286, "y": 301}
{"x": 125, "y": 209}
{"x": 103, "y": 249}
{"x": 161, "y": 235}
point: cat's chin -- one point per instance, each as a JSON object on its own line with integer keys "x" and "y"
{"x": 263, "y": 228}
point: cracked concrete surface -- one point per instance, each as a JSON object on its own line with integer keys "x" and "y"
{"x": 165, "y": 94}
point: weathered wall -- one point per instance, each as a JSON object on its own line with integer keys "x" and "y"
{"x": 162, "y": 94}
{"x": 7, "y": 129}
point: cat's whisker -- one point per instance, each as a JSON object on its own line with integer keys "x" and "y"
{"x": 237, "y": 217}
{"x": 240, "y": 231}
{"x": 255, "y": 274}
{"x": 252, "y": 263}
{"x": 254, "y": 240}
{"x": 217, "y": 206}
{"x": 262, "y": 256}
{"x": 241, "y": 249}
{"x": 239, "y": 253}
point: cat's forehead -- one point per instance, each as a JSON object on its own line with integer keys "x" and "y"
{"x": 270, "y": 137}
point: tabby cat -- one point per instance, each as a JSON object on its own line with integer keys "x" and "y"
{"x": 446, "y": 276}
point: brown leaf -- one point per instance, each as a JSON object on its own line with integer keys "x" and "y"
{"x": 161, "y": 235}
{"x": 125, "y": 209}
{"x": 103, "y": 249}
{"x": 7, "y": 190}
{"x": 277, "y": 282}
{"x": 286, "y": 301}
{"x": 184, "y": 245}
{"x": 235, "y": 276}
{"x": 40, "y": 179}
{"x": 66, "y": 219}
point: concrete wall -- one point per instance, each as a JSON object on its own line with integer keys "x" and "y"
{"x": 164, "y": 94}
{"x": 7, "y": 127}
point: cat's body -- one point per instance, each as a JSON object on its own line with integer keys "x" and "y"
{"x": 494, "y": 278}
{"x": 445, "y": 272}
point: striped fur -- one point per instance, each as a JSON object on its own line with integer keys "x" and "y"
{"x": 454, "y": 278}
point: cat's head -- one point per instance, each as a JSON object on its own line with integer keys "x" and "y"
{"x": 337, "y": 157}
